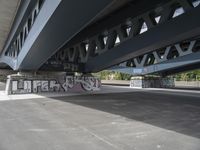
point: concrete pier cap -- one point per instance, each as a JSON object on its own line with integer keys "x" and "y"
{"x": 152, "y": 81}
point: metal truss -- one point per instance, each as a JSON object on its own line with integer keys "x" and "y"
{"x": 42, "y": 27}
{"x": 131, "y": 27}
{"x": 17, "y": 44}
{"x": 164, "y": 54}
{"x": 134, "y": 32}
{"x": 173, "y": 59}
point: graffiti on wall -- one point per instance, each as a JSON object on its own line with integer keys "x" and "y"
{"x": 152, "y": 82}
{"x": 20, "y": 86}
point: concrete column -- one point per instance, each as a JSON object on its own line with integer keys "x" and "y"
{"x": 151, "y": 82}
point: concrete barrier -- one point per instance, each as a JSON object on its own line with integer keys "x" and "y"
{"x": 23, "y": 84}
{"x": 116, "y": 82}
{"x": 151, "y": 82}
{"x": 192, "y": 84}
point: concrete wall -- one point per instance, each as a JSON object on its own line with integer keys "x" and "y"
{"x": 195, "y": 84}
{"x": 23, "y": 84}
{"x": 116, "y": 82}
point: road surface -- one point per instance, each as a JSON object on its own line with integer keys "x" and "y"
{"x": 117, "y": 118}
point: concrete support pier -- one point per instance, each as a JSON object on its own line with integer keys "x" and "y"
{"x": 32, "y": 83}
{"x": 151, "y": 82}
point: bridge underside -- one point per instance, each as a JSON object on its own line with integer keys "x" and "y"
{"x": 167, "y": 68}
{"x": 8, "y": 9}
{"x": 169, "y": 60}
{"x": 92, "y": 35}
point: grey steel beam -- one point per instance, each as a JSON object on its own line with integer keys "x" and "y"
{"x": 69, "y": 18}
{"x": 170, "y": 32}
{"x": 176, "y": 65}
{"x": 131, "y": 10}
{"x": 179, "y": 62}
{"x": 23, "y": 12}
{"x": 180, "y": 69}
{"x": 163, "y": 54}
{"x": 52, "y": 28}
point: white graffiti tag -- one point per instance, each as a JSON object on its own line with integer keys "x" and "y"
{"x": 88, "y": 83}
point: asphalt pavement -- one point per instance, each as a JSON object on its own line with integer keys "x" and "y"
{"x": 118, "y": 118}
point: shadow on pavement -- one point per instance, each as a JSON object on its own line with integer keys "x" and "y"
{"x": 178, "y": 113}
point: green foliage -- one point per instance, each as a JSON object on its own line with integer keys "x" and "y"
{"x": 189, "y": 76}
{"x": 111, "y": 75}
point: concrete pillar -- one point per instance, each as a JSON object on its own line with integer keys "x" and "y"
{"x": 8, "y": 84}
{"x": 151, "y": 82}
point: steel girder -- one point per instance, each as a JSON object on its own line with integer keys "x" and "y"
{"x": 24, "y": 11}
{"x": 166, "y": 33}
{"x": 55, "y": 23}
{"x": 182, "y": 55}
{"x": 164, "y": 54}
{"x": 154, "y": 29}
{"x": 110, "y": 44}
{"x": 180, "y": 64}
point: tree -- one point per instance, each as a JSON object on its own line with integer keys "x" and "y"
{"x": 189, "y": 76}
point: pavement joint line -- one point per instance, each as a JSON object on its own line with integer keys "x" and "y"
{"x": 100, "y": 138}
{"x": 96, "y": 136}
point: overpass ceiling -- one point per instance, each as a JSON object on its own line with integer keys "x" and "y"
{"x": 8, "y": 9}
